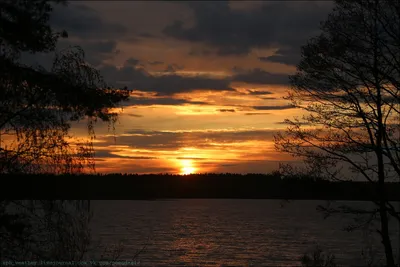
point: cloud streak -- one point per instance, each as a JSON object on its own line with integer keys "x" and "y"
{"x": 273, "y": 107}
{"x": 259, "y": 76}
{"x": 139, "y": 79}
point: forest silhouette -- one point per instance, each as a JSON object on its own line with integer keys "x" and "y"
{"x": 208, "y": 185}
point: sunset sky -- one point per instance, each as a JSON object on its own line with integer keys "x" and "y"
{"x": 207, "y": 78}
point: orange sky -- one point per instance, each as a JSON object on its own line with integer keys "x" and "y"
{"x": 223, "y": 136}
{"x": 205, "y": 97}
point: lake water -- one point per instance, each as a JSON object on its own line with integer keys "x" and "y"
{"x": 228, "y": 232}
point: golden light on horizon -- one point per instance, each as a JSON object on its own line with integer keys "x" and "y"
{"x": 187, "y": 167}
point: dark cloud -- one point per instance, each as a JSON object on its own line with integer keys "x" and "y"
{"x": 134, "y": 115}
{"x": 287, "y": 56}
{"x": 137, "y": 157}
{"x": 136, "y": 77}
{"x": 259, "y": 76}
{"x": 273, "y": 107}
{"x": 146, "y": 35}
{"x": 173, "y": 68}
{"x": 200, "y": 52}
{"x": 255, "y": 113}
{"x": 147, "y": 140}
{"x": 237, "y": 31}
{"x": 155, "y": 63}
{"x": 88, "y": 30}
{"x": 140, "y": 79}
{"x": 142, "y": 139}
{"x": 101, "y": 153}
{"x": 101, "y": 46}
{"x": 228, "y": 165}
{"x": 192, "y": 158}
{"x": 84, "y": 22}
{"x": 96, "y": 52}
{"x": 146, "y": 132}
{"x": 269, "y": 98}
{"x": 132, "y": 61}
{"x": 226, "y": 110}
{"x": 258, "y": 92}
{"x": 143, "y": 101}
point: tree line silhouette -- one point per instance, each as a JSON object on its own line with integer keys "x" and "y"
{"x": 207, "y": 185}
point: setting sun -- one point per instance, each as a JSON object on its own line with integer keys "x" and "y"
{"x": 187, "y": 167}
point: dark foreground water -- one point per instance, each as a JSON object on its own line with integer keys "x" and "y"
{"x": 229, "y": 232}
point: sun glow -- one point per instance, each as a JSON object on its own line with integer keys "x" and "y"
{"x": 187, "y": 167}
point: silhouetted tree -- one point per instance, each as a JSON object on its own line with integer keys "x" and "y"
{"x": 38, "y": 105}
{"x": 349, "y": 83}
{"x": 318, "y": 258}
{"x": 49, "y": 231}
{"x": 44, "y": 230}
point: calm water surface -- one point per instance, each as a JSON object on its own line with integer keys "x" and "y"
{"x": 227, "y": 232}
